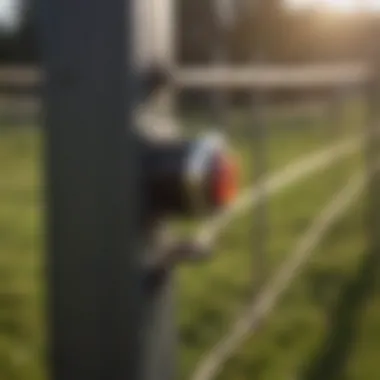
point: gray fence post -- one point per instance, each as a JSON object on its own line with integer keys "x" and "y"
{"x": 372, "y": 140}
{"x": 99, "y": 311}
{"x": 260, "y": 135}
{"x": 223, "y": 20}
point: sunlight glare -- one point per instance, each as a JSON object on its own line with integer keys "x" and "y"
{"x": 348, "y": 6}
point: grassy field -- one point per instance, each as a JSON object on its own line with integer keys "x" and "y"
{"x": 21, "y": 333}
{"x": 229, "y": 277}
{"x": 326, "y": 325}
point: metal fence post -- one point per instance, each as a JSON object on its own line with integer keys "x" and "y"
{"x": 260, "y": 134}
{"x": 372, "y": 140}
{"x": 223, "y": 19}
{"x": 155, "y": 23}
{"x": 99, "y": 310}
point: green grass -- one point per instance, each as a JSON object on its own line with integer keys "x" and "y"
{"x": 295, "y": 341}
{"x": 211, "y": 294}
{"x": 21, "y": 333}
{"x": 229, "y": 277}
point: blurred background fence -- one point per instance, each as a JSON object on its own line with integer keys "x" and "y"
{"x": 20, "y": 103}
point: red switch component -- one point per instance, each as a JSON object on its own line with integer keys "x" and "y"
{"x": 211, "y": 173}
{"x": 224, "y": 184}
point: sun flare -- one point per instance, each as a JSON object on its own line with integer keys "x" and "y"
{"x": 349, "y": 6}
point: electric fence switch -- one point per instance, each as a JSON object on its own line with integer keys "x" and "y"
{"x": 190, "y": 177}
{"x": 186, "y": 178}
